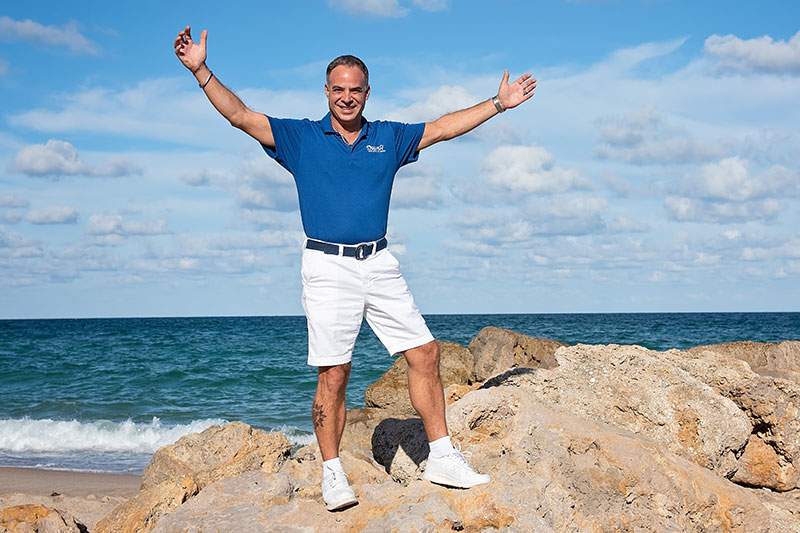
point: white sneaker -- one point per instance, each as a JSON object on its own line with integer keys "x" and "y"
{"x": 453, "y": 470}
{"x": 336, "y": 491}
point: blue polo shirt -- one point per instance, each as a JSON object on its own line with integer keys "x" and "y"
{"x": 343, "y": 189}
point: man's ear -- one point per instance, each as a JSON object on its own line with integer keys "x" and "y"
{"x": 327, "y": 91}
{"x": 366, "y": 95}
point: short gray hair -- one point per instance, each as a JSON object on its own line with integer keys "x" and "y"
{"x": 348, "y": 61}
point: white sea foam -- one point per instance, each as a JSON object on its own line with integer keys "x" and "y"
{"x": 19, "y": 435}
{"x": 296, "y": 436}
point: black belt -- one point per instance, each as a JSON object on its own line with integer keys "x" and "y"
{"x": 360, "y": 252}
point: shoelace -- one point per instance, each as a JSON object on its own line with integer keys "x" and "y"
{"x": 331, "y": 478}
{"x": 461, "y": 456}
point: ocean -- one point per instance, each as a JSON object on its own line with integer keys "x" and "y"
{"x": 103, "y": 394}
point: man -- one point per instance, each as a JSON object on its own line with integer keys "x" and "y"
{"x": 344, "y": 167}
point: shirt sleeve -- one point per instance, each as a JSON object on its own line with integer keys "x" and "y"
{"x": 287, "y": 133}
{"x": 407, "y": 138}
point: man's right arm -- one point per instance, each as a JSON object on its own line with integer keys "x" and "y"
{"x": 193, "y": 57}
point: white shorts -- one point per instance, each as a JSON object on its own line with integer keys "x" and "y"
{"x": 339, "y": 292}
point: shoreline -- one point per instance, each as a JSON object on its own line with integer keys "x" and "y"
{"x": 43, "y": 482}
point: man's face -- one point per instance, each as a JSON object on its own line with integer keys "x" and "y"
{"x": 347, "y": 93}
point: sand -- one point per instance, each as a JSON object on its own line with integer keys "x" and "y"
{"x": 88, "y": 496}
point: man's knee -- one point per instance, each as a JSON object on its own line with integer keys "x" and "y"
{"x": 424, "y": 358}
{"x": 334, "y": 378}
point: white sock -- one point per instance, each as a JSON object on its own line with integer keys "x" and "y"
{"x": 333, "y": 464}
{"x": 441, "y": 447}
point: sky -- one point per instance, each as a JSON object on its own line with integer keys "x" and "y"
{"x": 655, "y": 169}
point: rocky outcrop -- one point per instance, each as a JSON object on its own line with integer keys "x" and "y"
{"x": 180, "y": 471}
{"x": 390, "y": 391}
{"x": 495, "y": 350}
{"x": 576, "y": 438}
{"x": 771, "y": 404}
{"x": 37, "y": 518}
{"x": 781, "y": 359}
{"x": 633, "y": 388}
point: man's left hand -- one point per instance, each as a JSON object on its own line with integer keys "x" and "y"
{"x": 513, "y": 94}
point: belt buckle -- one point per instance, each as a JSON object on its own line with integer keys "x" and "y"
{"x": 363, "y": 251}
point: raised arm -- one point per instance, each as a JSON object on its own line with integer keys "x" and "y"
{"x": 193, "y": 57}
{"x": 458, "y": 123}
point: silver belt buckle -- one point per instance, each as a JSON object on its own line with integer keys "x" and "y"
{"x": 363, "y": 251}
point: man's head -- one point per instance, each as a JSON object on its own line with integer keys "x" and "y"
{"x": 347, "y": 88}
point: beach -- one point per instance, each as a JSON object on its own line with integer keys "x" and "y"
{"x": 88, "y": 496}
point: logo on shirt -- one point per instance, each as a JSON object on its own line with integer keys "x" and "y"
{"x": 375, "y": 149}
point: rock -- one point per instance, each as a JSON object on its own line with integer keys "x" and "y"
{"x": 179, "y": 471}
{"x": 401, "y": 446}
{"x": 761, "y": 466}
{"x": 217, "y": 453}
{"x": 579, "y": 474}
{"x": 455, "y": 391}
{"x": 37, "y": 518}
{"x": 771, "y": 404}
{"x": 234, "y": 503}
{"x": 633, "y": 388}
{"x": 766, "y": 358}
{"x": 390, "y": 391}
{"x": 551, "y": 470}
{"x": 495, "y": 350}
{"x": 142, "y": 512}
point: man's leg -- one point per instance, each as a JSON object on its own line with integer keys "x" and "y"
{"x": 328, "y": 415}
{"x": 328, "y": 412}
{"x": 425, "y": 388}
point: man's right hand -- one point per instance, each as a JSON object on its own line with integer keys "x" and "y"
{"x": 191, "y": 54}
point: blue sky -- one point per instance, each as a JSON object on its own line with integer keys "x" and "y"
{"x": 655, "y": 169}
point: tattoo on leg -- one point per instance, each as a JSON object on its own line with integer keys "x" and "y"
{"x": 317, "y": 415}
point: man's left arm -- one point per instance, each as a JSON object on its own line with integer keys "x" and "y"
{"x": 451, "y": 125}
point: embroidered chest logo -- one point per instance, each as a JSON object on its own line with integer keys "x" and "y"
{"x": 375, "y": 149}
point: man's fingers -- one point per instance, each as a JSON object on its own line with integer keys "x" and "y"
{"x": 203, "y": 36}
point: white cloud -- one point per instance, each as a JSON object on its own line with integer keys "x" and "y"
{"x": 67, "y": 36}
{"x": 645, "y": 137}
{"x": 105, "y": 224}
{"x": 730, "y": 179}
{"x": 52, "y": 215}
{"x": 206, "y": 177}
{"x": 60, "y": 158}
{"x": 528, "y": 169}
{"x": 12, "y": 200}
{"x": 762, "y": 54}
{"x": 683, "y": 209}
{"x": 420, "y": 192}
{"x": 431, "y": 5}
{"x": 386, "y": 8}
{"x": 433, "y": 104}
{"x": 163, "y": 109}
{"x": 376, "y": 8}
{"x": 262, "y": 184}
{"x": 10, "y": 216}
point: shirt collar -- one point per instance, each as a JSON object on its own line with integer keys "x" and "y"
{"x": 327, "y": 127}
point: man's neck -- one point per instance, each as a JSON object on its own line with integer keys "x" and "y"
{"x": 349, "y": 128}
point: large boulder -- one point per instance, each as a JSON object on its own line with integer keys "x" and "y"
{"x": 633, "y": 388}
{"x": 771, "y": 404}
{"x": 37, "y": 518}
{"x": 390, "y": 391}
{"x": 551, "y": 471}
{"x": 496, "y": 350}
{"x": 781, "y": 359}
{"x": 181, "y": 470}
